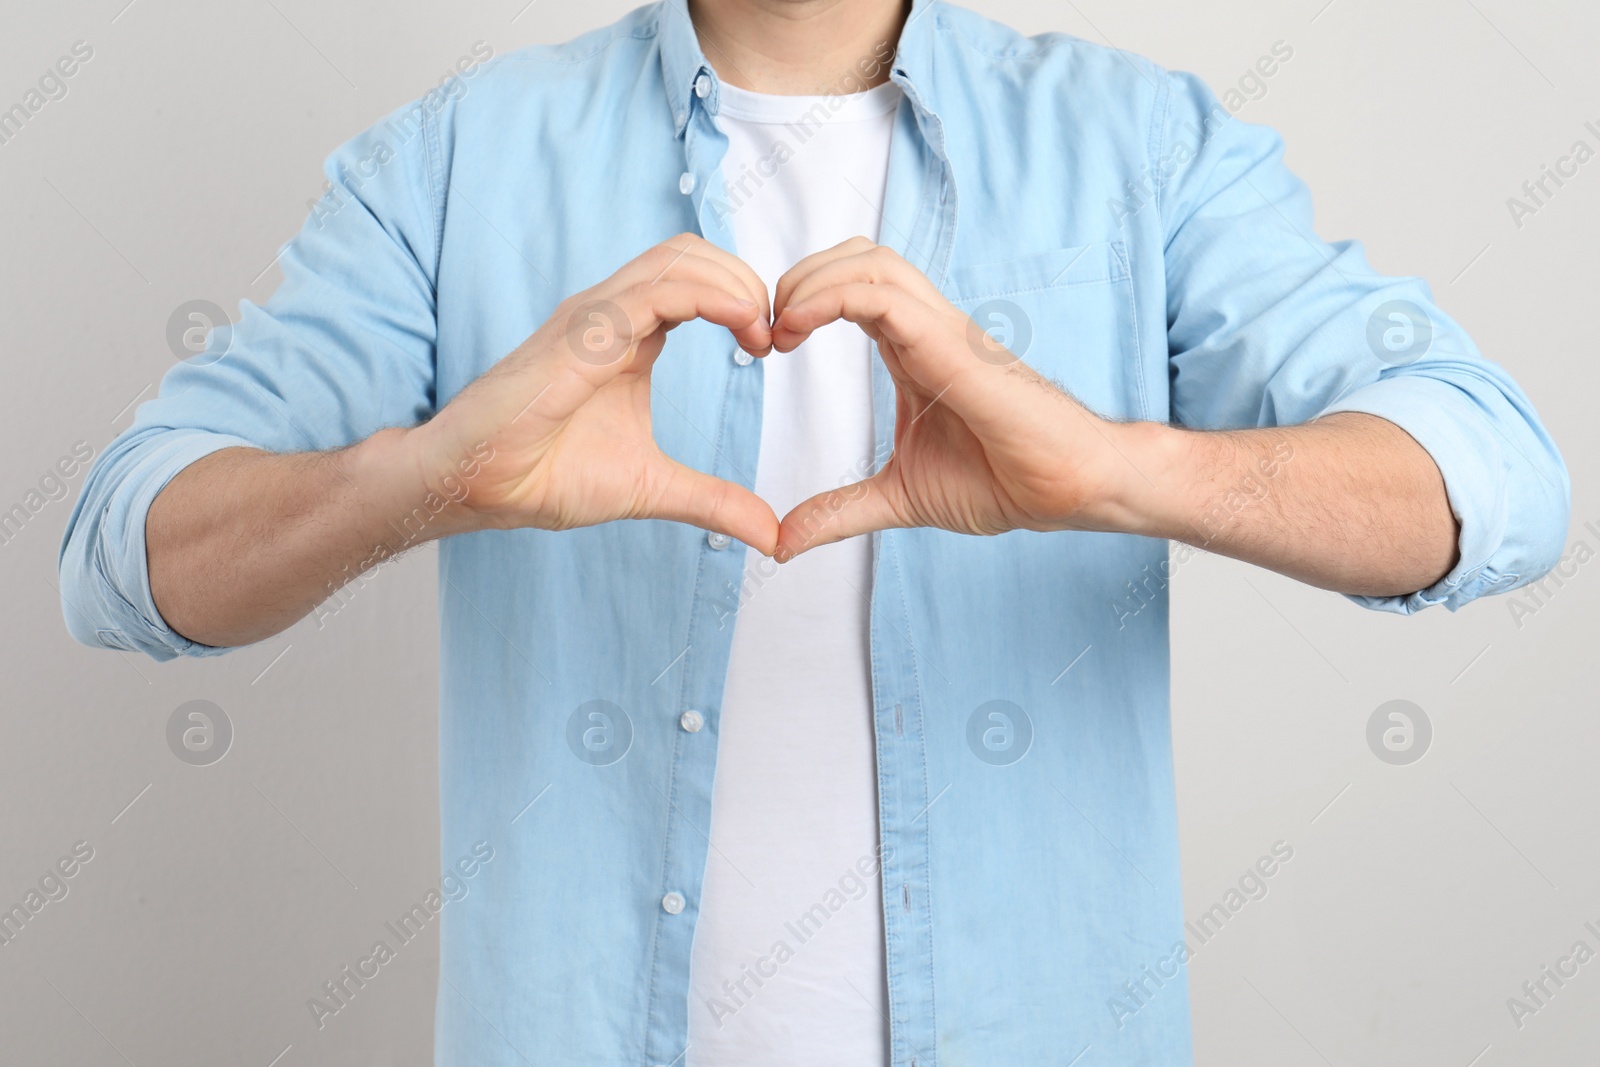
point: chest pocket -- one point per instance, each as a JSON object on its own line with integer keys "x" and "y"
{"x": 1067, "y": 313}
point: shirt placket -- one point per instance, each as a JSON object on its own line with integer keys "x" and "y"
{"x": 918, "y": 223}
{"x": 686, "y": 803}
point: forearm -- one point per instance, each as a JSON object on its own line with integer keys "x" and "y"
{"x": 1349, "y": 502}
{"x": 242, "y": 544}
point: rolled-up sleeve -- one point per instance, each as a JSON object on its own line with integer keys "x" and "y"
{"x": 344, "y": 348}
{"x": 1268, "y": 325}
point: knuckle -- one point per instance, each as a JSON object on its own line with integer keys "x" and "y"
{"x": 884, "y": 257}
{"x": 638, "y": 294}
{"x": 570, "y": 306}
{"x": 679, "y": 245}
{"x": 658, "y": 257}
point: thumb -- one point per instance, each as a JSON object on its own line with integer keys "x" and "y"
{"x": 858, "y": 508}
{"x": 711, "y": 503}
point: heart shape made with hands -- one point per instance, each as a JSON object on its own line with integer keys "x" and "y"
{"x": 983, "y": 444}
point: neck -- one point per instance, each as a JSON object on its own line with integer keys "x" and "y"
{"x": 799, "y": 47}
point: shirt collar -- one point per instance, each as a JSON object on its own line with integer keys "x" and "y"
{"x": 681, "y": 59}
{"x": 682, "y": 62}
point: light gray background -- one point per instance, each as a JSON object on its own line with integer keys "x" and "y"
{"x": 1419, "y": 897}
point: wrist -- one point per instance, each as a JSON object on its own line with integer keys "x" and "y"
{"x": 413, "y": 484}
{"x": 1147, "y": 495}
{"x": 1197, "y": 483}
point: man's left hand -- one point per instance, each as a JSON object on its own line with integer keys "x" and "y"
{"x": 983, "y": 443}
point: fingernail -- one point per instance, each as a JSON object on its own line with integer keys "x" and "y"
{"x": 783, "y": 555}
{"x": 745, "y": 303}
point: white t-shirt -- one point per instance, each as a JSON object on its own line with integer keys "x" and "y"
{"x": 788, "y": 962}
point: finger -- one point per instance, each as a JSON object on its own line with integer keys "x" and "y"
{"x": 617, "y": 333}
{"x": 668, "y": 303}
{"x": 933, "y": 348}
{"x": 683, "y": 494}
{"x": 849, "y": 511}
{"x": 662, "y": 264}
{"x": 690, "y": 256}
{"x": 590, "y": 341}
{"x": 878, "y": 265}
{"x": 853, "y": 247}
{"x": 752, "y": 281}
{"x": 884, "y": 310}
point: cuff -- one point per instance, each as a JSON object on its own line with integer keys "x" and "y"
{"x": 1467, "y": 448}
{"x": 108, "y": 601}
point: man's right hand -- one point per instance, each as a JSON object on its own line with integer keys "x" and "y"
{"x": 567, "y": 414}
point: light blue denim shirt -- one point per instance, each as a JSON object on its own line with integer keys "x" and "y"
{"x": 1114, "y": 226}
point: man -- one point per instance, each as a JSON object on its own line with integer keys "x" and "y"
{"x": 905, "y": 798}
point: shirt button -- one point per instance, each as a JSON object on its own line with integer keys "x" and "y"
{"x": 743, "y": 358}
{"x": 686, "y": 183}
{"x": 672, "y": 903}
{"x": 691, "y": 721}
{"x": 702, "y": 86}
{"x": 718, "y": 541}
